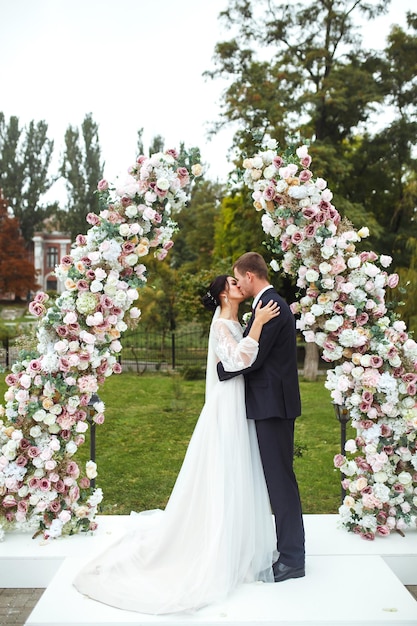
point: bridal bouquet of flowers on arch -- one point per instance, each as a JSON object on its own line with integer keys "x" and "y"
{"x": 44, "y": 420}
{"x": 345, "y": 313}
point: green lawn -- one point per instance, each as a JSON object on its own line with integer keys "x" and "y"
{"x": 149, "y": 421}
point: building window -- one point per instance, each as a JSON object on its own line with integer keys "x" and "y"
{"x": 51, "y": 284}
{"x": 52, "y": 257}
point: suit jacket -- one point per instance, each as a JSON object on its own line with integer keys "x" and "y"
{"x": 272, "y": 388}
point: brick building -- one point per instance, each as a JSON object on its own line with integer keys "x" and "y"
{"x": 48, "y": 250}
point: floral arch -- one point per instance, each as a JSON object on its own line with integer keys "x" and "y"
{"x": 42, "y": 489}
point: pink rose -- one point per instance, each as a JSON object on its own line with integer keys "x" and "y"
{"x": 93, "y": 219}
{"x": 55, "y": 506}
{"x": 392, "y": 280}
{"x": 9, "y": 501}
{"x": 37, "y": 309}
{"x": 310, "y": 230}
{"x": 161, "y": 254}
{"x": 306, "y": 161}
{"x": 73, "y": 469}
{"x": 305, "y": 176}
{"x": 102, "y": 185}
{"x": 369, "y": 536}
{"x": 297, "y": 237}
{"x": 41, "y": 297}
{"x": 81, "y": 240}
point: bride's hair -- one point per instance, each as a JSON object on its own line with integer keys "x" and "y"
{"x": 211, "y": 299}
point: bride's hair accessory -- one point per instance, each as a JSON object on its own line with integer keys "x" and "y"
{"x": 211, "y": 299}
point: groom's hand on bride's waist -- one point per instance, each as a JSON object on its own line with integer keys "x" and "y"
{"x": 222, "y": 374}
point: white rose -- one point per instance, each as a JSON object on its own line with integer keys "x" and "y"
{"x": 380, "y": 477}
{"x": 325, "y": 268}
{"x": 298, "y": 192}
{"x": 196, "y": 169}
{"x": 302, "y": 151}
{"x": 38, "y": 416}
{"x": 320, "y": 339}
{"x": 132, "y": 210}
{"x": 131, "y": 259}
{"x": 385, "y": 260}
{"x": 91, "y": 469}
{"x": 281, "y": 186}
{"x": 269, "y": 171}
{"x": 71, "y": 447}
{"x": 162, "y": 184}
{"x": 326, "y": 252}
{"x": 350, "y": 446}
{"x": 291, "y": 229}
{"x": 354, "y": 262}
{"x": 96, "y": 286}
{"x": 135, "y": 313}
{"x": 271, "y": 144}
{"x": 333, "y": 323}
{"x": 124, "y": 230}
{"x": 120, "y": 297}
{"x": 317, "y": 310}
{"x": 365, "y": 360}
{"x": 311, "y": 276}
{"x": 363, "y": 232}
{"x": 357, "y": 372}
{"x": 404, "y": 478}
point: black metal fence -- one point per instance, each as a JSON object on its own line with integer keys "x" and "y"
{"x": 158, "y": 351}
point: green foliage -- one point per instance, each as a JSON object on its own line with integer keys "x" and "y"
{"x": 25, "y": 157}
{"x": 238, "y": 228}
{"x": 158, "y": 299}
{"x": 194, "y": 242}
{"x": 193, "y": 372}
{"x": 82, "y": 169}
{"x": 308, "y": 81}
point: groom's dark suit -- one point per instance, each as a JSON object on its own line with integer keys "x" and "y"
{"x": 273, "y": 400}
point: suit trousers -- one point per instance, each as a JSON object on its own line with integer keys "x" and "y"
{"x": 276, "y": 445}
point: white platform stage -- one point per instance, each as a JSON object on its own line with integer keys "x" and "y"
{"x": 348, "y": 581}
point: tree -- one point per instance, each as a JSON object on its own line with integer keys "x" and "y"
{"x": 25, "y": 157}
{"x": 386, "y": 161}
{"x": 82, "y": 169}
{"x": 17, "y": 273}
{"x": 315, "y": 81}
{"x": 194, "y": 243}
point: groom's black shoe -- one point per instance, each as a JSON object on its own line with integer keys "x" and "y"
{"x": 284, "y": 572}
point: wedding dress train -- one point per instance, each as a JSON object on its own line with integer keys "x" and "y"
{"x": 216, "y": 530}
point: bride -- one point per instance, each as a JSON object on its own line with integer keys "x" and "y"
{"x": 216, "y": 530}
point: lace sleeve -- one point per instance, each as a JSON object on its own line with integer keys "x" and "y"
{"x": 234, "y": 351}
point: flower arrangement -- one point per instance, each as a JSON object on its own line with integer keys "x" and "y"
{"x": 50, "y": 391}
{"x": 344, "y": 311}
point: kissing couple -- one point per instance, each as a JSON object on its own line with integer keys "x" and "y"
{"x": 217, "y": 531}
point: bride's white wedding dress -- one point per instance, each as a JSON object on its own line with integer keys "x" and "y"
{"x": 216, "y": 531}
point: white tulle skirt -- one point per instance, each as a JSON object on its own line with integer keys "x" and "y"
{"x": 215, "y": 533}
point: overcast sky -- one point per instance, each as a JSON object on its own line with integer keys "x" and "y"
{"x": 131, "y": 63}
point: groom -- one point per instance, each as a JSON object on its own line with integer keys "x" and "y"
{"x": 273, "y": 401}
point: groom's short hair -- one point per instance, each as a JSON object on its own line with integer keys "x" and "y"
{"x": 252, "y": 262}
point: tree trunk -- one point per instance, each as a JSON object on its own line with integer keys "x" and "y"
{"x": 311, "y": 362}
